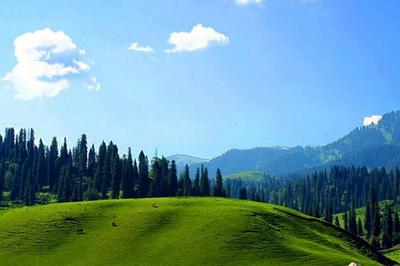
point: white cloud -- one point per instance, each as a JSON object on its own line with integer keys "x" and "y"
{"x": 46, "y": 63}
{"x": 198, "y": 38}
{"x": 374, "y": 119}
{"x": 138, "y": 48}
{"x": 247, "y": 2}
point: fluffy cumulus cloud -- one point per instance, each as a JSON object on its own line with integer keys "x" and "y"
{"x": 200, "y": 37}
{"x": 372, "y": 120}
{"x": 247, "y": 2}
{"x": 47, "y": 61}
{"x": 139, "y": 48}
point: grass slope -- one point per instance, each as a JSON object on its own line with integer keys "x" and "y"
{"x": 393, "y": 253}
{"x": 248, "y": 176}
{"x": 179, "y": 231}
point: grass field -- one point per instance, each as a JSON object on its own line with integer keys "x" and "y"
{"x": 393, "y": 253}
{"x": 177, "y": 231}
{"x": 248, "y": 176}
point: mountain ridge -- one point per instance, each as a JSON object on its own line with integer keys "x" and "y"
{"x": 361, "y": 146}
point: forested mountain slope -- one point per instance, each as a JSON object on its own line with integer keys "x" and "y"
{"x": 372, "y": 146}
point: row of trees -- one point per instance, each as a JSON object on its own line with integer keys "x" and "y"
{"x": 343, "y": 190}
{"x": 30, "y": 172}
{"x": 377, "y": 224}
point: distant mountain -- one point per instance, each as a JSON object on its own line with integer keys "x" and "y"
{"x": 375, "y": 145}
{"x": 182, "y": 159}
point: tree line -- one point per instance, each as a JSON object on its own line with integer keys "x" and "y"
{"x": 35, "y": 173}
{"x": 343, "y": 189}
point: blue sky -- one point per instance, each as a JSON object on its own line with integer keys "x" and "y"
{"x": 289, "y": 72}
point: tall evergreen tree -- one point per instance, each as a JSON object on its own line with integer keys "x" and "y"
{"x": 99, "y": 174}
{"x": 396, "y": 229}
{"x": 82, "y": 156}
{"x": 116, "y": 177}
{"x": 218, "y": 188}
{"x": 337, "y": 223}
{"x": 91, "y": 169}
{"x": 52, "y": 173}
{"x": 196, "y": 183}
{"x": 65, "y": 185}
{"x": 41, "y": 166}
{"x": 144, "y": 182}
{"x": 172, "y": 180}
{"x": 346, "y": 221}
{"x": 367, "y": 221}
{"x": 376, "y": 216}
{"x": 127, "y": 177}
{"x": 352, "y": 218}
{"x": 187, "y": 183}
{"x": 204, "y": 183}
{"x": 360, "y": 230}
{"x": 2, "y": 179}
{"x": 243, "y": 193}
{"x": 387, "y": 228}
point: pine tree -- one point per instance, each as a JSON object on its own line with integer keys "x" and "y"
{"x": 243, "y": 193}
{"x": 52, "y": 173}
{"x": 65, "y": 186}
{"x": 127, "y": 178}
{"x": 337, "y": 223}
{"x": 172, "y": 180}
{"x": 144, "y": 182}
{"x": 91, "y": 169}
{"x": 41, "y": 167}
{"x": 204, "y": 183}
{"x": 367, "y": 221}
{"x": 82, "y": 156}
{"x": 345, "y": 221}
{"x": 387, "y": 228}
{"x": 2, "y": 179}
{"x": 155, "y": 178}
{"x": 376, "y": 216}
{"x": 99, "y": 174}
{"x": 135, "y": 179}
{"x": 218, "y": 188}
{"x": 187, "y": 184}
{"x": 359, "y": 227}
{"x": 352, "y": 218}
{"x": 164, "y": 172}
{"x": 116, "y": 177}
{"x": 396, "y": 229}
{"x": 196, "y": 183}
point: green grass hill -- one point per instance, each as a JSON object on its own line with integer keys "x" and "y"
{"x": 248, "y": 176}
{"x": 174, "y": 231}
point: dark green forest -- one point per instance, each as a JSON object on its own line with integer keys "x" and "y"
{"x": 31, "y": 173}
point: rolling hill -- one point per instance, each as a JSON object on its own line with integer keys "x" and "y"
{"x": 248, "y": 176}
{"x": 174, "y": 231}
{"x": 373, "y": 146}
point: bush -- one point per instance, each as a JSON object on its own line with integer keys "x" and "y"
{"x": 91, "y": 194}
{"x": 45, "y": 197}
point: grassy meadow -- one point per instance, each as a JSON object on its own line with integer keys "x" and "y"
{"x": 173, "y": 231}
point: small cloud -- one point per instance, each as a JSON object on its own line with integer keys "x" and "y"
{"x": 247, "y": 2}
{"x": 198, "y": 38}
{"x": 372, "y": 120}
{"x": 93, "y": 84}
{"x": 138, "y": 48}
{"x": 46, "y": 63}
